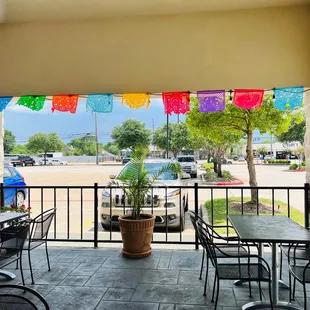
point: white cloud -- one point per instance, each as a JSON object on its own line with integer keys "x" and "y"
{"x": 13, "y": 107}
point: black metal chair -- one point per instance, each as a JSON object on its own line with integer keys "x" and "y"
{"x": 301, "y": 273}
{"x": 249, "y": 271}
{"x": 12, "y": 242}
{"x": 40, "y": 226}
{"x": 230, "y": 244}
{"x": 10, "y": 300}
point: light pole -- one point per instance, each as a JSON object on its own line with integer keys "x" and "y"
{"x": 96, "y": 133}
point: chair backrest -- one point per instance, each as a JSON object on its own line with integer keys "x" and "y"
{"x": 41, "y": 225}
{"x": 13, "y": 299}
{"x": 195, "y": 217}
{"x": 13, "y": 237}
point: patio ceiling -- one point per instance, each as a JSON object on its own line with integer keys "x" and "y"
{"x": 47, "y": 10}
{"x": 87, "y": 53}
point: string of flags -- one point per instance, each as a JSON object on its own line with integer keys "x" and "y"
{"x": 174, "y": 102}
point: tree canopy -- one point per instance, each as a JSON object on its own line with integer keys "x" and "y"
{"x": 112, "y": 147}
{"x": 131, "y": 134}
{"x": 240, "y": 122}
{"x": 20, "y": 149}
{"x": 85, "y": 145}
{"x": 296, "y": 132}
{"x": 44, "y": 143}
{"x": 9, "y": 141}
{"x": 179, "y": 137}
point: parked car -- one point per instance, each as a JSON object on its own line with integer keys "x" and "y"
{"x": 226, "y": 161}
{"x": 164, "y": 205}
{"x": 188, "y": 164}
{"x": 125, "y": 160}
{"x": 22, "y": 160}
{"x": 52, "y": 162}
{"x": 16, "y": 196}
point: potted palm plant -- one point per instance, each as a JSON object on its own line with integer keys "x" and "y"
{"x": 136, "y": 182}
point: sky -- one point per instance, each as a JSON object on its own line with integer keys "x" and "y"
{"x": 24, "y": 122}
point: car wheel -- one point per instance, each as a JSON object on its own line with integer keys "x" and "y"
{"x": 14, "y": 165}
{"x": 50, "y": 164}
{"x": 182, "y": 223}
{"x": 194, "y": 175}
{"x": 186, "y": 204}
{"x": 61, "y": 164}
{"x": 105, "y": 227}
{"x": 40, "y": 164}
{"x": 229, "y": 163}
{"x": 19, "y": 199}
{"x": 23, "y": 164}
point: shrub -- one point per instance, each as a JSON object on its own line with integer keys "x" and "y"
{"x": 279, "y": 161}
{"x": 208, "y": 165}
{"x": 227, "y": 175}
{"x": 293, "y": 167}
{"x": 210, "y": 174}
{"x": 303, "y": 164}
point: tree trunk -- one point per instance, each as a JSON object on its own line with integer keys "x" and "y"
{"x": 219, "y": 164}
{"x": 44, "y": 158}
{"x": 251, "y": 167}
{"x": 215, "y": 165}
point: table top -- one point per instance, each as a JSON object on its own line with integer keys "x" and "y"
{"x": 10, "y": 216}
{"x": 268, "y": 228}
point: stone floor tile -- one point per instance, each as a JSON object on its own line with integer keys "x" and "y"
{"x": 164, "y": 262}
{"x": 191, "y": 278}
{"x": 120, "y": 294}
{"x": 74, "y": 298}
{"x": 90, "y": 259}
{"x": 122, "y": 262}
{"x": 119, "y": 278}
{"x": 85, "y": 269}
{"x": 101, "y": 252}
{"x": 185, "y": 260}
{"x": 160, "y": 276}
{"x": 74, "y": 280}
{"x": 118, "y": 305}
{"x": 190, "y": 307}
{"x": 169, "y": 294}
{"x": 167, "y": 306}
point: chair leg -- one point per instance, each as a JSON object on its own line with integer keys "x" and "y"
{"x": 30, "y": 266}
{"x": 305, "y": 296}
{"x": 250, "y": 289}
{"x": 294, "y": 288}
{"x": 281, "y": 263}
{"x": 212, "y": 300}
{"x": 206, "y": 279}
{"x": 290, "y": 285}
{"x": 270, "y": 298}
{"x": 17, "y": 254}
{"x": 21, "y": 268}
{"x": 217, "y": 293}
{"x": 202, "y": 261}
{"x": 48, "y": 260}
{"x": 260, "y": 291}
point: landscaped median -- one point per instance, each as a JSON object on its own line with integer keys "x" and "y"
{"x": 235, "y": 207}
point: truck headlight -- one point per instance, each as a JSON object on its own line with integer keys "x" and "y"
{"x": 106, "y": 193}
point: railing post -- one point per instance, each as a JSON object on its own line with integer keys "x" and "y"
{"x": 307, "y": 205}
{"x": 2, "y": 195}
{"x": 96, "y": 215}
{"x": 196, "y": 211}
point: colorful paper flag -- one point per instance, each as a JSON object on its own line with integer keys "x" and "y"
{"x": 211, "y": 100}
{"x": 248, "y": 98}
{"x": 288, "y": 98}
{"x": 35, "y": 103}
{"x": 176, "y": 102}
{"x": 100, "y": 103}
{"x": 136, "y": 100}
{"x": 65, "y": 103}
{"x": 4, "y": 101}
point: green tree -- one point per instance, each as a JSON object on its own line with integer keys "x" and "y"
{"x": 262, "y": 151}
{"x": 131, "y": 134}
{"x": 85, "y": 146}
{"x": 296, "y": 132}
{"x": 9, "y": 141}
{"x": 241, "y": 122}
{"x": 179, "y": 137}
{"x": 112, "y": 147}
{"x": 20, "y": 149}
{"x": 44, "y": 143}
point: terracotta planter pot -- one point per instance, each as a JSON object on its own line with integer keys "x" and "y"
{"x": 137, "y": 235}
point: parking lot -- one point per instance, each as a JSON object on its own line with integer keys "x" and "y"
{"x": 75, "y": 207}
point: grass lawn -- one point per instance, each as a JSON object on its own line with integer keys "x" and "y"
{"x": 219, "y": 210}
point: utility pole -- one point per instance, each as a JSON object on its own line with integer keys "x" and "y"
{"x": 96, "y": 133}
{"x": 153, "y": 137}
{"x": 271, "y": 151}
{"x": 167, "y": 138}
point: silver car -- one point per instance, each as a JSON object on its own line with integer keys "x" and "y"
{"x": 168, "y": 205}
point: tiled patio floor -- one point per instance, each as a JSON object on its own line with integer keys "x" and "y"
{"x": 86, "y": 279}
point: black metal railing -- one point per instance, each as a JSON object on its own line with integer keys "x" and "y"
{"x": 80, "y": 212}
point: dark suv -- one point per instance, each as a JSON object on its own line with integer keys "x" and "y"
{"x": 22, "y": 160}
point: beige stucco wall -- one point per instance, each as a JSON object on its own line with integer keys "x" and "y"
{"x": 241, "y": 49}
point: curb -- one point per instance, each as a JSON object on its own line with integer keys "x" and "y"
{"x": 297, "y": 170}
{"x": 235, "y": 182}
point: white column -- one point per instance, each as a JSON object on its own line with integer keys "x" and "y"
{"x": 307, "y": 135}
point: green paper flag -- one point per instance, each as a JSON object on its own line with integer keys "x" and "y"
{"x": 34, "y": 103}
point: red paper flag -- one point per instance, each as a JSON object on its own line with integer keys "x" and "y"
{"x": 65, "y": 103}
{"x": 248, "y": 98}
{"x": 176, "y": 102}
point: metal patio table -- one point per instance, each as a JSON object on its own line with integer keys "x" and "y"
{"x": 270, "y": 229}
{"x": 4, "y": 218}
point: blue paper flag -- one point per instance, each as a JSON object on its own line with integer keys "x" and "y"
{"x": 288, "y": 98}
{"x": 4, "y": 101}
{"x": 100, "y": 103}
